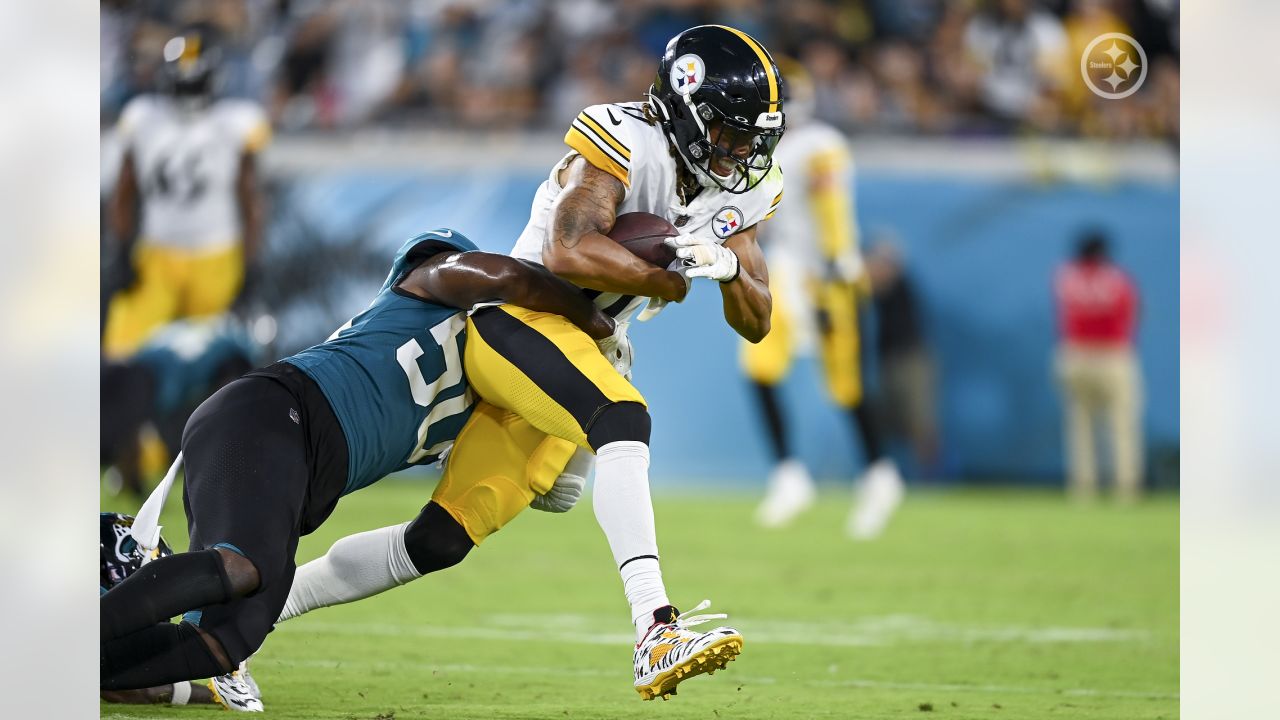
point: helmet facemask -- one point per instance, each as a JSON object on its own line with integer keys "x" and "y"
{"x": 720, "y": 152}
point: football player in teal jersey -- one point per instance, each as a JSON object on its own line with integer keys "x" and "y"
{"x": 268, "y": 456}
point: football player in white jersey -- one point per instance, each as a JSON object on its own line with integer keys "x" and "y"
{"x": 817, "y": 281}
{"x": 189, "y": 166}
{"x": 698, "y": 152}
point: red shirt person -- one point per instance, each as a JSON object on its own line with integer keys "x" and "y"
{"x": 1097, "y": 306}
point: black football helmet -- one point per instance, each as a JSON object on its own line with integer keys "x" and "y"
{"x": 119, "y": 553}
{"x": 719, "y": 97}
{"x": 190, "y": 69}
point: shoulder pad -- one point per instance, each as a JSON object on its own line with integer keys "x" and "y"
{"x": 603, "y": 134}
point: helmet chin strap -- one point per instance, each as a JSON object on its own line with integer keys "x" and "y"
{"x": 700, "y": 170}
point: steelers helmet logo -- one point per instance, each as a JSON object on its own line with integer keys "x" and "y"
{"x": 687, "y": 74}
{"x": 726, "y": 222}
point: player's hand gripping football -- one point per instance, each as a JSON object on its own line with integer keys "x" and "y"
{"x": 704, "y": 257}
{"x": 656, "y": 304}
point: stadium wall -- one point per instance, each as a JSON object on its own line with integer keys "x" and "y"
{"x": 983, "y": 226}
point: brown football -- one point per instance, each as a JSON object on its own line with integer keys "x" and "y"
{"x": 642, "y": 233}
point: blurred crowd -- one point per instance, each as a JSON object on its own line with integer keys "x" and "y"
{"x": 939, "y": 67}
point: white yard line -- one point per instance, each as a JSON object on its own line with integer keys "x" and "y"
{"x": 875, "y": 631}
{"x": 853, "y": 683}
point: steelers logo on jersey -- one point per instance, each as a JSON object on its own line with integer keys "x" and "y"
{"x": 687, "y": 74}
{"x": 726, "y": 222}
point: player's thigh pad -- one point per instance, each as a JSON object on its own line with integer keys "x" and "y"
{"x": 213, "y": 280}
{"x": 247, "y": 475}
{"x": 841, "y": 351}
{"x": 768, "y": 361}
{"x": 543, "y": 368}
{"x": 498, "y": 463}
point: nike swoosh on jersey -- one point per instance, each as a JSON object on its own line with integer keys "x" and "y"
{"x": 612, "y": 119}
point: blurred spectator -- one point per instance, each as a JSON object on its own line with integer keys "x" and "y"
{"x": 1098, "y": 369}
{"x": 905, "y": 399}
{"x": 1022, "y": 51}
{"x": 913, "y": 66}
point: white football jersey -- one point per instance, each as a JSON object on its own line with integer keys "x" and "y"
{"x": 186, "y": 164}
{"x": 793, "y": 241}
{"x": 619, "y": 140}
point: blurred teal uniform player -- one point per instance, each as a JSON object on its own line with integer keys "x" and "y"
{"x": 268, "y": 456}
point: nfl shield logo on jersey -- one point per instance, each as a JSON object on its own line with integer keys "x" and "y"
{"x": 727, "y": 222}
{"x": 687, "y": 74}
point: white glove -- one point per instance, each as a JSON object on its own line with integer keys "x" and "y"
{"x": 687, "y": 239}
{"x": 656, "y": 304}
{"x": 848, "y": 267}
{"x": 567, "y": 490}
{"x": 709, "y": 260}
{"x": 617, "y": 350}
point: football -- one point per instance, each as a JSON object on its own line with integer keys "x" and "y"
{"x": 643, "y": 234}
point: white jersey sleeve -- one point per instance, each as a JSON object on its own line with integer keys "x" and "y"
{"x": 135, "y": 119}
{"x": 605, "y": 136}
{"x": 246, "y": 122}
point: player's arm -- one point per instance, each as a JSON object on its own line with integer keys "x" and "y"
{"x": 578, "y": 250}
{"x": 464, "y": 279}
{"x": 249, "y": 200}
{"x": 747, "y": 303}
{"x": 832, "y": 207}
{"x": 124, "y": 203}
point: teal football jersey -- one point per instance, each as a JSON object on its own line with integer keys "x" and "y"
{"x": 393, "y": 373}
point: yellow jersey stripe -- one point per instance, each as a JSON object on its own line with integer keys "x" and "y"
{"x": 764, "y": 60}
{"x": 600, "y": 142}
{"x": 591, "y": 123}
{"x": 595, "y": 154}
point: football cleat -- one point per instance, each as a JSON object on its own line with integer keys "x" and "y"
{"x": 237, "y": 690}
{"x": 878, "y": 496}
{"x": 790, "y": 493}
{"x": 670, "y": 653}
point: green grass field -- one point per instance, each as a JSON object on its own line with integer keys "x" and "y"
{"x": 975, "y": 604}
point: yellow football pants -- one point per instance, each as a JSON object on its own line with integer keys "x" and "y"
{"x": 543, "y": 368}
{"x": 171, "y": 284}
{"x": 498, "y": 464}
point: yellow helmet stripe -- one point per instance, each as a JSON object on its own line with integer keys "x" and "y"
{"x": 764, "y": 60}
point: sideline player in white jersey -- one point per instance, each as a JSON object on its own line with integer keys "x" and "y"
{"x": 189, "y": 165}
{"x": 698, "y": 152}
{"x": 817, "y": 281}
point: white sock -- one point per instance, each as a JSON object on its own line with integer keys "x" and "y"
{"x": 625, "y": 513}
{"x": 356, "y": 567}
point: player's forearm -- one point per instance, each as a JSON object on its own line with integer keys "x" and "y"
{"x": 534, "y": 288}
{"x": 251, "y": 227}
{"x": 251, "y": 209}
{"x": 747, "y": 306}
{"x": 597, "y": 262}
{"x": 123, "y": 214}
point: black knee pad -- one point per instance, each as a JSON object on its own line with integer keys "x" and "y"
{"x": 621, "y": 421}
{"x": 435, "y": 541}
